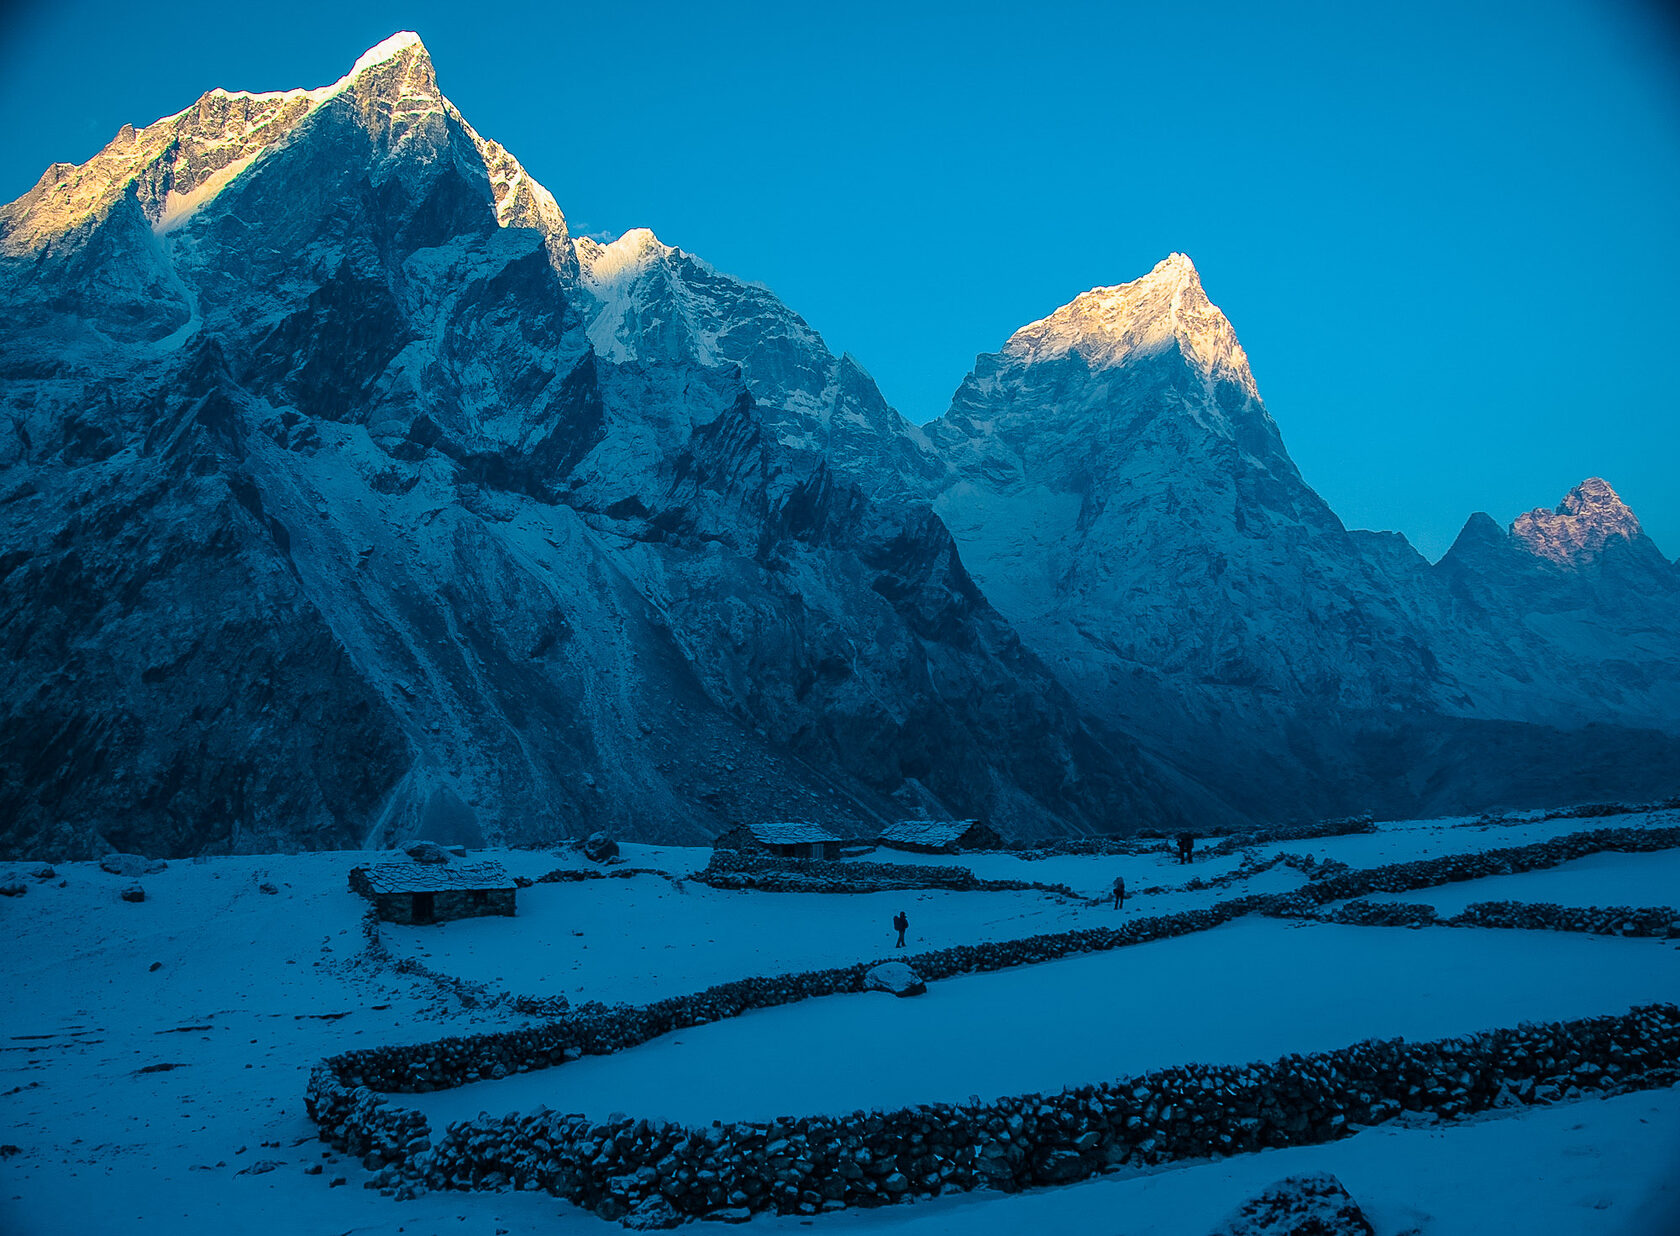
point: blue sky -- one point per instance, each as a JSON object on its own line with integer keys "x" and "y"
{"x": 1448, "y": 233}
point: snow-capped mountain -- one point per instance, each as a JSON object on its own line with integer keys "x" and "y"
{"x": 330, "y": 520}
{"x": 648, "y": 299}
{"x": 346, "y": 496}
{"x": 1577, "y": 611}
{"x": 1121, "y": 494}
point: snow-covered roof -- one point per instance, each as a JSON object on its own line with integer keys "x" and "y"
{"x": 408, "y": 877}
{"x": 932, "y": 833}
{"x": 791, "y": 832}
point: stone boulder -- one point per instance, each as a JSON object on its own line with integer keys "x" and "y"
{"x": 131, "y": 865}
{"x": 1315, "y": 1204}
{"x": 13, "y": 889}
{"x": 896, "y": 977}
{"x": 598, "y": 848}
{"x": 426, "y": 852}
{"x": 652, "y": 1214}
{"x": 134, "y": 893}
{"x": 1061, "y": 1167}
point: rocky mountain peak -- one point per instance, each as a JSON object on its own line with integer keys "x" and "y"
{"x": 605, "y": 265}
{"x": 175, "y": 164}
{"x": 404, "y": 46}
{"x": 1576, "y": 531}
{"x": 397, "y": 73}
{"x": 1111, "y": 326}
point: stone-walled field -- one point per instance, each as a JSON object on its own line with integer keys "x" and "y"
{"x": 655, "y": 1173}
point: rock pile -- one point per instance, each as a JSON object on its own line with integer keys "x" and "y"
{"x": 1382, "y": 914}
{"x": 1315, "y": 1204}
{"x": 131, "y": 865}
{"x": 426, "y": 852}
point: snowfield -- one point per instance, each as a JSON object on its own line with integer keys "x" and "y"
{"x": 1251, "y": 990}
{"x": 168, "y": 1099}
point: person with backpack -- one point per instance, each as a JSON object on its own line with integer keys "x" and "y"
{"x": 1119, "y": 891}
{"x": 901, "y": 924}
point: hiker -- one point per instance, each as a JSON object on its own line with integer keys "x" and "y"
{"x": 901, "y": 923}
{"x": 1186, "y": 846}
{"x": 1119, "y": 891}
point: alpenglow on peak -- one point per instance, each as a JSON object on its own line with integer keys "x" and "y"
{"x": 388, "y": 49}
{"x": 176, "y": 164}
{"x": 1111, "y": 326}
{"x": 1590, "y": 516}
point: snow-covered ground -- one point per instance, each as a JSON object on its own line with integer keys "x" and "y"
{"x": 1395, "y": 841}
{"x": 150, "y": 1100}
{"x": 1255, "y": 989}
{"x": 645, "y": 937}
{"x": 144, "y": 1100}
{"x": 1090, "y": 874}
{"x": 1402, "y": 841}
{"x": 642, "y": 938}
{"x": 1604, "y": 1167}
{"x": 1608, "y": 879}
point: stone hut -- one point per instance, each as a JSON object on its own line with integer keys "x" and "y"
{"x": 784, "y": 839}
{"x": 411, "y": 892}
{"x": 940, "y": 836}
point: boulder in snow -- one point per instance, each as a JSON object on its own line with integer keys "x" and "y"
{"x": 1062, "y": 1167}
{"x": 426, "y": 852}
{"x": 652, "y": 1214}
{"x": 13, "y": 889}
{"x": 598, "y": 848}
{"x": 1314, "y": 1204}
{"x": 131, "y": 865}
{"x": 896, "y": 977}
{"x": 134, "y": 893}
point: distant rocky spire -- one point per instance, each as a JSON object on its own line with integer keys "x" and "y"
{"x": 1590, "y": 516}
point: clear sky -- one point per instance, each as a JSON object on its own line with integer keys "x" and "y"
{"x": 1448, "y": 233}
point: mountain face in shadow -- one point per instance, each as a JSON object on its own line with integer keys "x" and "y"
{"x": 348, "y": 497}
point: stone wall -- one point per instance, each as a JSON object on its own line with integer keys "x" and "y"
{"x": 1580, "y": 811}
{"x": 447, "y": 904}
{"x": 730, "y": 869}
{"x": 1453, "y": 868}
{"x": 1660, "y": 921}
{"x": 1382, "y": 914}
{"x": 655, "y": 1173}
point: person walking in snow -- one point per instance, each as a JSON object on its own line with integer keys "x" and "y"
{"x": 1119, "y": 891}
{"x": 901, "y": 924}
{"x": 1186, "y": 846}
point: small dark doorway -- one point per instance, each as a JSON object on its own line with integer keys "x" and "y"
{"x": 423, "y": 908}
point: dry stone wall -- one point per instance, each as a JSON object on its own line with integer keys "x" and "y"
{"x": 1659, "y": 921}
{"x": 1453, "y": 868}
{"x": 729, "y": 869}
{"x": 655, "y": 1173}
